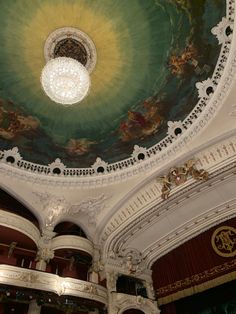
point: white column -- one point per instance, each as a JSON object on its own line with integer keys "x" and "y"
{"x": 44, "y": 255}
{"x": 41, "y": 265}
{"x": 93, "y": 277}
{"x": 111, "y": 278}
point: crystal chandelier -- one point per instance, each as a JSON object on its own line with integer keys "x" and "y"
{"x": 65, "y": 80}
{"x": 70, "y": 58}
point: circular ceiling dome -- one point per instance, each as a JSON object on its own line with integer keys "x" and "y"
{"x": 65, "y": 80}
{"x": 154, "y": 66}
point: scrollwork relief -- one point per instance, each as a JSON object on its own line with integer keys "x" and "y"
{"x": 179, "y": 175}
{"x": 45, "y": 254}
{"x": 55, "y": 207}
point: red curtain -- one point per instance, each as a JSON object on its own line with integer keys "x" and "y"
{"x": 190, "y": 264}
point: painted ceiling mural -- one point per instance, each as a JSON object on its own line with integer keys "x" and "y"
{"x": 150, "y": 54}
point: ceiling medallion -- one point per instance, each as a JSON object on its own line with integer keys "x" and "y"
{"x": 73, "y": 43}
{"x": 71, "y": 56}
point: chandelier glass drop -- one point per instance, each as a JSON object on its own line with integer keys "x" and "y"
{"x": 65, "y": 80}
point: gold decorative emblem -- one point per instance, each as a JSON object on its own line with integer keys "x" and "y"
{"x": 179, "y": 175}
{"x": 223, "y": 241}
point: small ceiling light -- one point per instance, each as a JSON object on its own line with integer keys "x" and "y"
{"x": 65, "y": 80}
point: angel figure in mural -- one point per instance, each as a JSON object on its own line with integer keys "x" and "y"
{"x": 177, "y": 63}
{"x": 141, "y": 124}
{"x": 79, "y": 146}
{"x": 13, "y": 123}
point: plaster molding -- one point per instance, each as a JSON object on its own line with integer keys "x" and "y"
{"x": 72, "y": 242}
{"x": 189, "y": 230}
{"x": 57, "y": 167}
{"x": 233, "y": 112}
{"x": 175, "y": 128}
{"x": 128, "y": 261}
{"x": 148, "y": 194}
{"x": 124, "y": 232}
{"x": 11, "y": 153}
{"x": 122, "y": 302}
{"x": 20, "y": 224}
{"x": 203, "y": 87}
{"x": 32, "y": 279}
{"x": 44, "y": 254}
{"x": 197, "y": 120}
{"x": 220, "y": 31}
{"x": 55, "y": 208}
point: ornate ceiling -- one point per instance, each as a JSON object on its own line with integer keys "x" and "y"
{"x": 163, "y": 90}
{"x": 151, "y": 59}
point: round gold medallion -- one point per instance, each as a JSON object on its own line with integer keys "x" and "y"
{"x": 223, "y": 241}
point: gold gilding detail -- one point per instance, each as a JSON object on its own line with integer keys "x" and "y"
{"x": 179, "y": 175}
{"x": 223, "y": 241}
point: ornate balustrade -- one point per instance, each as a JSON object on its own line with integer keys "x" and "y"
{"x": 16, "y": 276}
{"x": 20, "y": 224}
{"x": 72, "y": 242}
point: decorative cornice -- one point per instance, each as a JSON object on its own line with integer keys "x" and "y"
{"x": 147, "y": 216}
{"x": 146, "y": 199}
{"x": 179, "y": 175}
{"x": 189, "y": 230}
{"x": 208, "y": 104}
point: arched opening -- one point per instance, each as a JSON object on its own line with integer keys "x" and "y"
{"x": 133, "y": 311}
{"x": 131, "y": 285}
{"x": 69, "y": 228}
{"x": 12, "y": 205}
{"x": 16, "y": 248}
{"x": 70, "y": 263}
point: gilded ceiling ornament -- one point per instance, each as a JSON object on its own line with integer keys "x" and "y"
{"x": 179, "y": 175}
{"x": 223, "y": 241}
